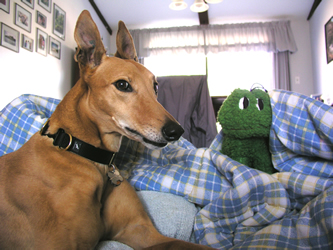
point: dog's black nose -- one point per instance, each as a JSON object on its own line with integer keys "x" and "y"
{"x": 172, "y": 131}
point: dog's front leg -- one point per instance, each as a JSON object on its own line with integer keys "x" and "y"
{"x": 126, "y": 220}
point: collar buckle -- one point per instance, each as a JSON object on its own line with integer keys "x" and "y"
{"x": 62, "y": 139}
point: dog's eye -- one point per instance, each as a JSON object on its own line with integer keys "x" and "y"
{"x": 124, "y": 86}
{"x": 156, "y": 87}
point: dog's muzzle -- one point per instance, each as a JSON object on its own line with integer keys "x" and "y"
{"x": 171, "y": 131}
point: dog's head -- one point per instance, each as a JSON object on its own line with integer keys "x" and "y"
{"x": 121, "y": 94}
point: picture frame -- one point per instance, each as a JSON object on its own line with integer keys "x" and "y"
{"x": 30, "y": 3}
{"x": 41, "y": 19}
{"x": 22, "y": 18}
{"x": 5, "y": 5}
{"x": 59, "y": 22}
{"x": 41, "y": 42}
{"x": 54, "y": 47}
{"x": 10, "y": 38}
{"x": 27, "y": 43}
{"x": 329, "y": 40}
{"x": 46, "y": 4}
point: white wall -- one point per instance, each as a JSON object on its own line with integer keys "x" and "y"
{"x": 32, "y": 73}
{"x": 301, "y": 61}
{"x": 323, "y": 72}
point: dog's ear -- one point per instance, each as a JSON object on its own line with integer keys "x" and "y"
{"x": 125, "y": 44}
{"x": 90, "y": 46}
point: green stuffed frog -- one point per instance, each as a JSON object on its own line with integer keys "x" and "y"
{"x": 246, "y": 118}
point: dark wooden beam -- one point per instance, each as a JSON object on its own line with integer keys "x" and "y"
{"x": 314, "y": 7}
{"x": 203, "y": 18}
{"x": 99, "y": 14}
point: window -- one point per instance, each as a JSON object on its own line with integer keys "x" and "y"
{"x": 226, "y": 71}
{"x": 230, "y": 70}
{"x": 176, "y": 65}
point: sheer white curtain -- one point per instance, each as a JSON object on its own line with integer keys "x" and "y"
{"x": 273, "y": 37}
{"x": 168, "y": 41}
{"x": 268, "y": 36}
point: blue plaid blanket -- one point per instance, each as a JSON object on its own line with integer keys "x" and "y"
{"x": 240, "y": 207}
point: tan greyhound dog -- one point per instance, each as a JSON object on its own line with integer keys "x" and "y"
{"x": 59, "y": 190}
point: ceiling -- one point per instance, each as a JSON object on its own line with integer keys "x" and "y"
{"x": 156, "y": 13}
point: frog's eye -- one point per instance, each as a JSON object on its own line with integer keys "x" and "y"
{"x": 243, "y": 103}
{"x": 260, "y": 104}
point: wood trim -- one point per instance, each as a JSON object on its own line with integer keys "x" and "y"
{"x": 203, "y": 18}
{"x": 314, "y": 7}
{"x": 99, "y": 14}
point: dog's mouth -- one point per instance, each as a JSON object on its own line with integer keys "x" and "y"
{"x": 145, "y": 140}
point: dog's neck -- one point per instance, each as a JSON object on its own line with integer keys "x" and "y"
{"x": 71, "y": 116}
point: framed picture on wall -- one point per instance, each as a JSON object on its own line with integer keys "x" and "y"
{"x": 30, "y": 3}
{"x": 329, "y": 39}
{"x": 10, "y": 38}
{"x": 27, "y": 43}
{"x": 41, "y": 42}
{"x": 4, "y": 5}
{"x": 54, "y": 47}
{"x": 22, "y": 18}
{"x": 59, "y": 22}
{"x": 41, "y": 19}
{"x": 46, "y": 4}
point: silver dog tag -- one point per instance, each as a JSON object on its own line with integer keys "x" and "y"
{"x": 115, "y": 176}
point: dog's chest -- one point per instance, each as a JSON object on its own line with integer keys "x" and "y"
{"x": 53, "y": 191}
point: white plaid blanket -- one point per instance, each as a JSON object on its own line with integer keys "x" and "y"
{"x": 240, "y": 207}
